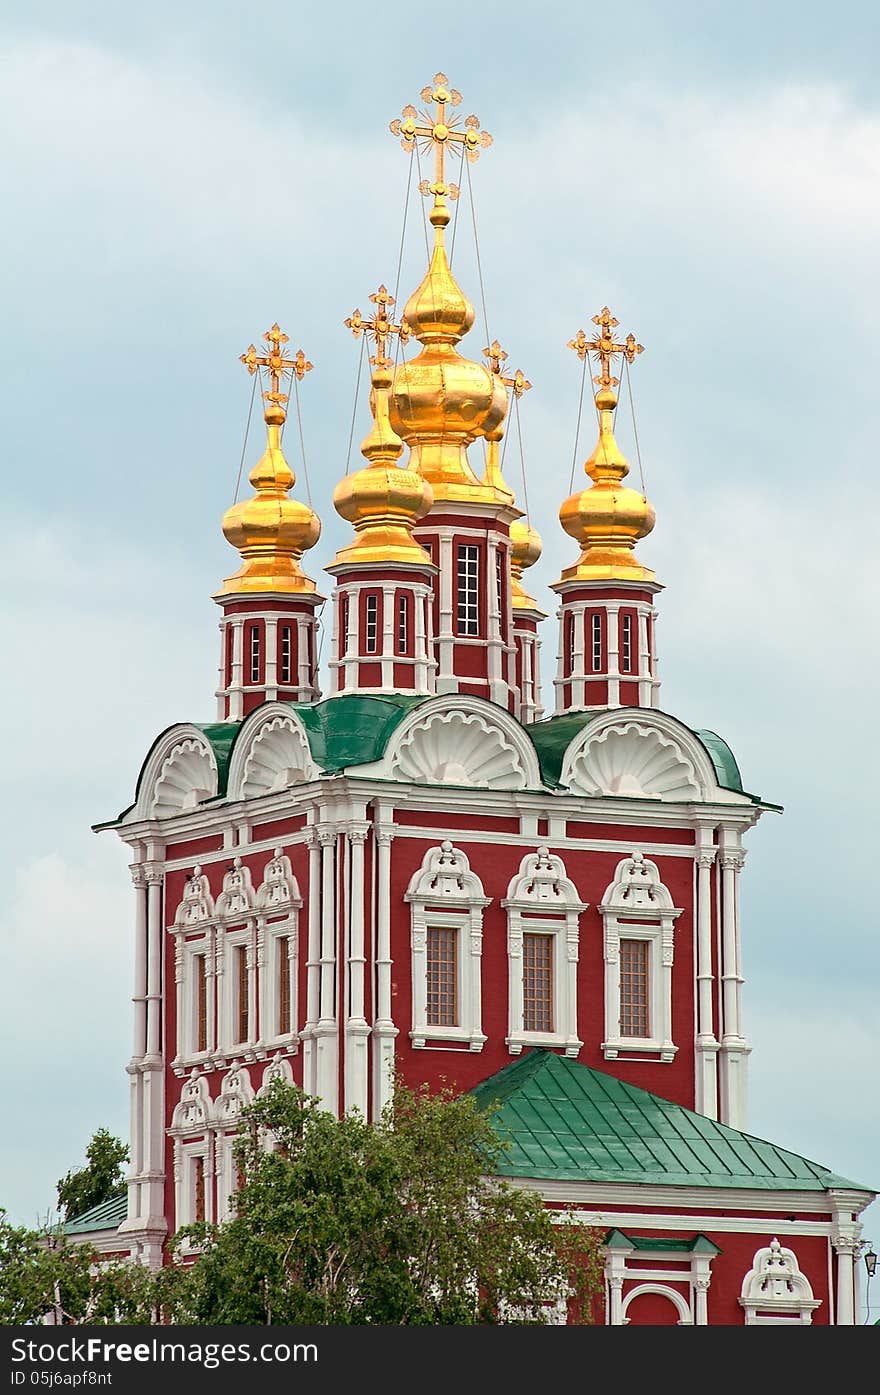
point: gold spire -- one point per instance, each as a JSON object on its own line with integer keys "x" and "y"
{"x": 270, "y": 530}
{"x": 441, "y": 401}
{"x": 383, "y": 500}
{"x": 607, "y": 519}
{"x": 525, "y": 541}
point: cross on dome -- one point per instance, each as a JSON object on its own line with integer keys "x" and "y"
{"x": 381, "y": 326}
{"x": 605, "y": 347}
{"x": 439, "y": 130}
{"x": 496, "y": 356}
{"x": 277, "y": 365}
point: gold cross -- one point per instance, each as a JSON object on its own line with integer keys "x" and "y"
{"x": 440, "y": 130}
{"x": 274, "y": 361}
{"x": 604, "y": 347}
{"x": 381, "y": 326}
{"x": 496, "y": 356}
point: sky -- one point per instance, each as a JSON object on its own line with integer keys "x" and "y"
{"x": 175, "y": 178}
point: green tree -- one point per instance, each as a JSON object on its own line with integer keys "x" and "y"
{"x": 40, "y": 1272}
{"x": 341, "y": 1221}
{"x": 101, "y": 1178}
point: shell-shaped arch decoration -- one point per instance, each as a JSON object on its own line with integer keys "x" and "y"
{"x": 634, "y": 760}
{"x": 271, "y": 753}
{"x": 178, "y": 774}
{"x": 467, "y": 743}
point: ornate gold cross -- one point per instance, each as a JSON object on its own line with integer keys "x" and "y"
{"x": 381, "y": 326}
{"x": 496, "y": 356}
{"x": 604, "y": 347}
{"x": 274, "y": 361}
{"x": 440, "y": 130}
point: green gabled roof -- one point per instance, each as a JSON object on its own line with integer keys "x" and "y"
{"x": 352, "y": 729}
{"x": 221, "y": 736}
{"x": 567, "y": 1122}
{"x": 552, "y": 738}
{"x": 107, "y": 1215}
{"x": 654, "y": 1244}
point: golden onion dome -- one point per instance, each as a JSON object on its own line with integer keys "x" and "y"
{"x": 384, "y": 500}
{"x": 607, "y": 519}
{"x": 441, "y": 401}
{"x": 270, "y": 530}
{"x": 525, "y": 550}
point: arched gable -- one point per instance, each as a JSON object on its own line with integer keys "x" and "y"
{"x": 178, "y": 774}
{"x": 271, "y": 752}
{"x": 458, "y": 739}
{"x": 641, "y": 754}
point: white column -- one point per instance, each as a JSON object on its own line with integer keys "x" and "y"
{"x": 706, "y": 1044}
{"x": 236, "y": 698}
{"x": 497, "y": 686}
{"x": 384, "y": 1030}
{"x": 155, "y": 878}
{"x": 270, "y": 662}
{"x": 734, "y": 1050}
{"x": 326, "y": 1044}
{"x": 655, "y": 681}
{"x": 261, "y": 1026}
{"x": 313, "y": 965}
{"x": 356, "y": 1027}
{"x": 579, "y": 667}
{"x": 446, "y": 681}
{"x": 389, "y": 621}
{"x": 612, "y": 631}
{"x": 644, "y": 660}
{"x": 152, "y": 1200}
{"x": 139, "y": 997}
{"x": 845, "y": 1234}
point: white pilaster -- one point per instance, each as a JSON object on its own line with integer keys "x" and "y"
{"x": 356, "y": 1027}
{"x": 326, "y": 1042}
{"x": 706, "y": 1043}
{"x": 384, "y": 1030}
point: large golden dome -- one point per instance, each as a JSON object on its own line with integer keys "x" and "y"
{"x": 441, "y": 401}
{"x": 270, "y": 530}
{"x": 607, "y": 519}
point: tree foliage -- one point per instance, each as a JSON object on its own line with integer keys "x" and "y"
{"x": 341, "y": 1222}
{"x": 101, "y": 1179}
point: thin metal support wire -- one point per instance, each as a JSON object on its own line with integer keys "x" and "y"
{"x": 455, "y": 219}
{"x": 635, "y": 429}
{"x": 319, "y": 616}
{"x": 424, "y": 214}
{"x": 477, "y": 248}
{"x": 577, "y": 430}
{"x": 357, "y": 393}
{"x": 246, "y": 434}
{"x": 403, "y": 229}
{"x": 302, "y": 442}
{"x": 522, "y": 459}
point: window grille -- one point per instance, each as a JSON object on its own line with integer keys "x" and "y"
{"x": 468, "y": 584}
{"x": 255, "y": 653}
{"x": 597, "y": 643}
{"x": 241, "y": 980}
{"x": 285, "y": 653}
{"x": 201, "y": 1003}
{"x": 199, "y": 1182}
{"x": 442, "y": 977}
{"x": 626, "y": 654}
{"x": 403, "y": 624}
{"x": 537, "y": 983}
{"x": 372, "y": 623}
{"x": 285, "y": 1023}
{"x": 634, "y": 1018}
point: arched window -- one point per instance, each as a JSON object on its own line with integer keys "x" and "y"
{"x": 447, "y": 944}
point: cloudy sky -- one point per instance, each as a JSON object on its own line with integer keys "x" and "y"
{"x": 174, "y": 178}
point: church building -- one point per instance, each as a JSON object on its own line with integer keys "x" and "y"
{"x": 421, "y": 869}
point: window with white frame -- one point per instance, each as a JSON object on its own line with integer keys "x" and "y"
{"x": 446, "y": 917}
{"x": 626, "y": 645}
{"x": 468, "y": 576}
{"x": 195, "y": 997}
{"x": 638, "y": 931}
{"x": 543, "y": 928}
{"x": 403, "y": 623}
{"x": 285, "y": 653}
{"x": 597, "y": 643}
{"x": 278, "y": 950}
{"x": 235, "y": 989}
{"x": 372, "y": 622}
{"x": 255, "y": 653}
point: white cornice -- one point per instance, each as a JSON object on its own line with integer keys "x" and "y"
{"x": 747, "y": 1200}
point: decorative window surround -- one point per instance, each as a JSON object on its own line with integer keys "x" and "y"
{"x": 193, "y": 1115}
{"x": 278, "y": 895}
{"x": 541, "y": 899}
{"x": 236, "y": 1092}
{"x": 637, "y": 906}
{"x": 775, "y": 1292}
{"x": 445, "y": 892}
{"x": 656, "y": 1272}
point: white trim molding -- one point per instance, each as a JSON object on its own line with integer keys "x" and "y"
{"x": 637, "y": 906}
{"x": 774, "y": 1291}
{"x": 542, "y": 899}
{"x": 445, "y": 893}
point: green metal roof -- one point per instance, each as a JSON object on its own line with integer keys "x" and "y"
{"x": 107, "y": 1215}
{"x": 221, "y": 736}
{"x": 352, "y": 729}
{"x": 652, "y": 1244}
{"x": 565, "y": 1121}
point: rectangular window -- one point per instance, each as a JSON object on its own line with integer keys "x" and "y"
{"x": 538, "y": 983}
{"x": 343, "y": 626}
{"x": 626, "y": 646}
{"x": 199, "y": 1183}
{"x": 285, "y": 653}
{"x": 402, "y": 623}
{"x": 285, "y": 1024}
{"x": 201, "y": 1003}
{"x": 372, "y": 623}
{"x": 597, "y": 643}
{"x": 442, "y": 973}
{"x": 634, "y": 1017}
{"x": 255, "y": 653}
{"x": 468, "y": 585}
{"x": 242, "y": 995}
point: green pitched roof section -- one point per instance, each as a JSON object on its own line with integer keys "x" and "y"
{"x": 221, "y": 736}
{"x": 567, "y": 1122}
{"x": 107, "y": 1215}
{"x": 352, "y": 729}
{"x": 656, "y": 1244}
{"x": 723, "y": 760}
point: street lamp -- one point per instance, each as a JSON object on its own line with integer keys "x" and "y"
{"x": 870, "y": 1259}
